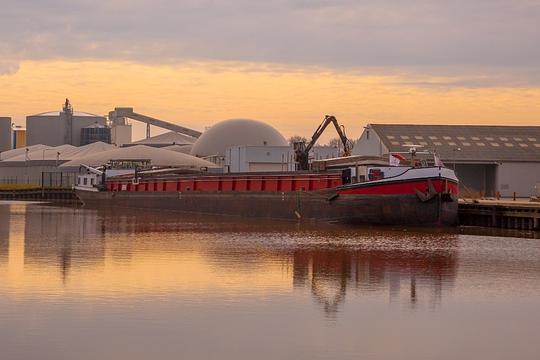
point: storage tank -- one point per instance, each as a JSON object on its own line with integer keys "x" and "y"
{"x": 55, "y": 128}
{"x": 94, "y": 133}
{"x": 5, "y": 134}
{"x": 235, "y": 132}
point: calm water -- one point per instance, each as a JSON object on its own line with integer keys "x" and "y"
{"x": 82, "y": 284}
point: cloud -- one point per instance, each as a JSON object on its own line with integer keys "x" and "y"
{"x": 490, "y": 35}
{"x": 8, "y": 67}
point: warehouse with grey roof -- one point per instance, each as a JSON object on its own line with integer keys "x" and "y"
{"x": 487, "y": 159}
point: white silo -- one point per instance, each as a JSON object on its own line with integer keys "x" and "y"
{"x": 5, "y": 134}
{"x": 55, "y": 128}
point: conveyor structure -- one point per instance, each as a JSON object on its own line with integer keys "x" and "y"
{"x": 120, "y": 113}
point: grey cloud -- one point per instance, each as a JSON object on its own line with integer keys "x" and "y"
{"x": 388, "y": 34}
{"x": 8, "y": 67}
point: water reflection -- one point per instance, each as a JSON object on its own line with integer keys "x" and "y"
{"x": 93, "y": 253}
{"x": 81, "y": 284}
{"x": 331, "y": 272}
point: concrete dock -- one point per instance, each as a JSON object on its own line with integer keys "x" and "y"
{"x": 506, "y": 214}
{"x": 38, "y": 194}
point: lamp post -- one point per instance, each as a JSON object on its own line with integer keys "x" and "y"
{"x": 56, "y": 163}
{"x": 26, "y": 158}
{"x": 454, "y": 150}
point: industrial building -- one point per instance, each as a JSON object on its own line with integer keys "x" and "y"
{"x": 234, "y": 132}
{"x": 166, "y": 139}
{"x": 214, "y": 142}
{"x": 11, "y": 136}
{"x": 5, "y": 134}
{"x": 185, "y": 149}
{"x": 15, "y": 152}
{"x": 18, "y": 137}
{"x": 58, "y": 166}
{"x": 77, "y": 128}
{"x": 246, "y": 158}
{"x": 94, "y": 133}
{"x": 118, "y": 119}
{"x": 56, "y": 128}
{"x": 39, "y": 164}
{"x": 155, "y": 156}
{"x": 488, "y": 160}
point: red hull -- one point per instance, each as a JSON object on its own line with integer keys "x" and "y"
{"x": 413, "y": 201}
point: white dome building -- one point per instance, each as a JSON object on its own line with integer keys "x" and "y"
{"x": 233, "y": 132}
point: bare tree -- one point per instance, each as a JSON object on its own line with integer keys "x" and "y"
{"x": 296, "y": 138}
{"x": 334, "y": 142}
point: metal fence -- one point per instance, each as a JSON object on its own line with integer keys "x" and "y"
{"x": 58, "y": 179}
{"x": 55, "y": 179}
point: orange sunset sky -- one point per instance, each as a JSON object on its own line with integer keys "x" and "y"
{"x": 195, "y": 63}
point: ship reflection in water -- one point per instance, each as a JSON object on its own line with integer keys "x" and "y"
{"x": 78, "y": 283}
{"x": 330, "y": 273}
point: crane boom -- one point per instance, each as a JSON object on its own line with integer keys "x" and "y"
{"x": 302, "y": 149}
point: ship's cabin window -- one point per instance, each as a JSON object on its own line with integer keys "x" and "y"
{"x": 361, "y": 173}
{"x": 346, "y": 176}
{"x": 376, "y": 174}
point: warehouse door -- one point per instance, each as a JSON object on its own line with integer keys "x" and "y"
{"x": 477, "y": 180}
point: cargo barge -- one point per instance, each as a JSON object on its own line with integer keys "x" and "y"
{"x": 350, "y": 189}
{"x": 366, "y": 194}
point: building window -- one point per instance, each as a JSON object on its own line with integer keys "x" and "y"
{"x": 451, "y": 143}
{"x": 523, "y": 145}
{"x": 494, "y": 144}
{"x": 437, "y": 143}
{"x": 489, "y": 138}
{"x": 466, "y": 144}
{"x": 447, "y": 137}
{"x": 476, "y": 138}
{"x": 480, "y": 144}
{"x": 433, "y": 137}
{"x": 518, "y": 139}
{"x": 532, "y": 139}
{"x": 391, "y": 137}
{"x": 85, "y": 181}
{"x": 503, "y": 139}
{"x": 509, "y": 144}
{"x": 419, "y": 137}
{"x": 404, "y": 137}
{"x": 367, "y": 134}
{"x": 461, "y": 138}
